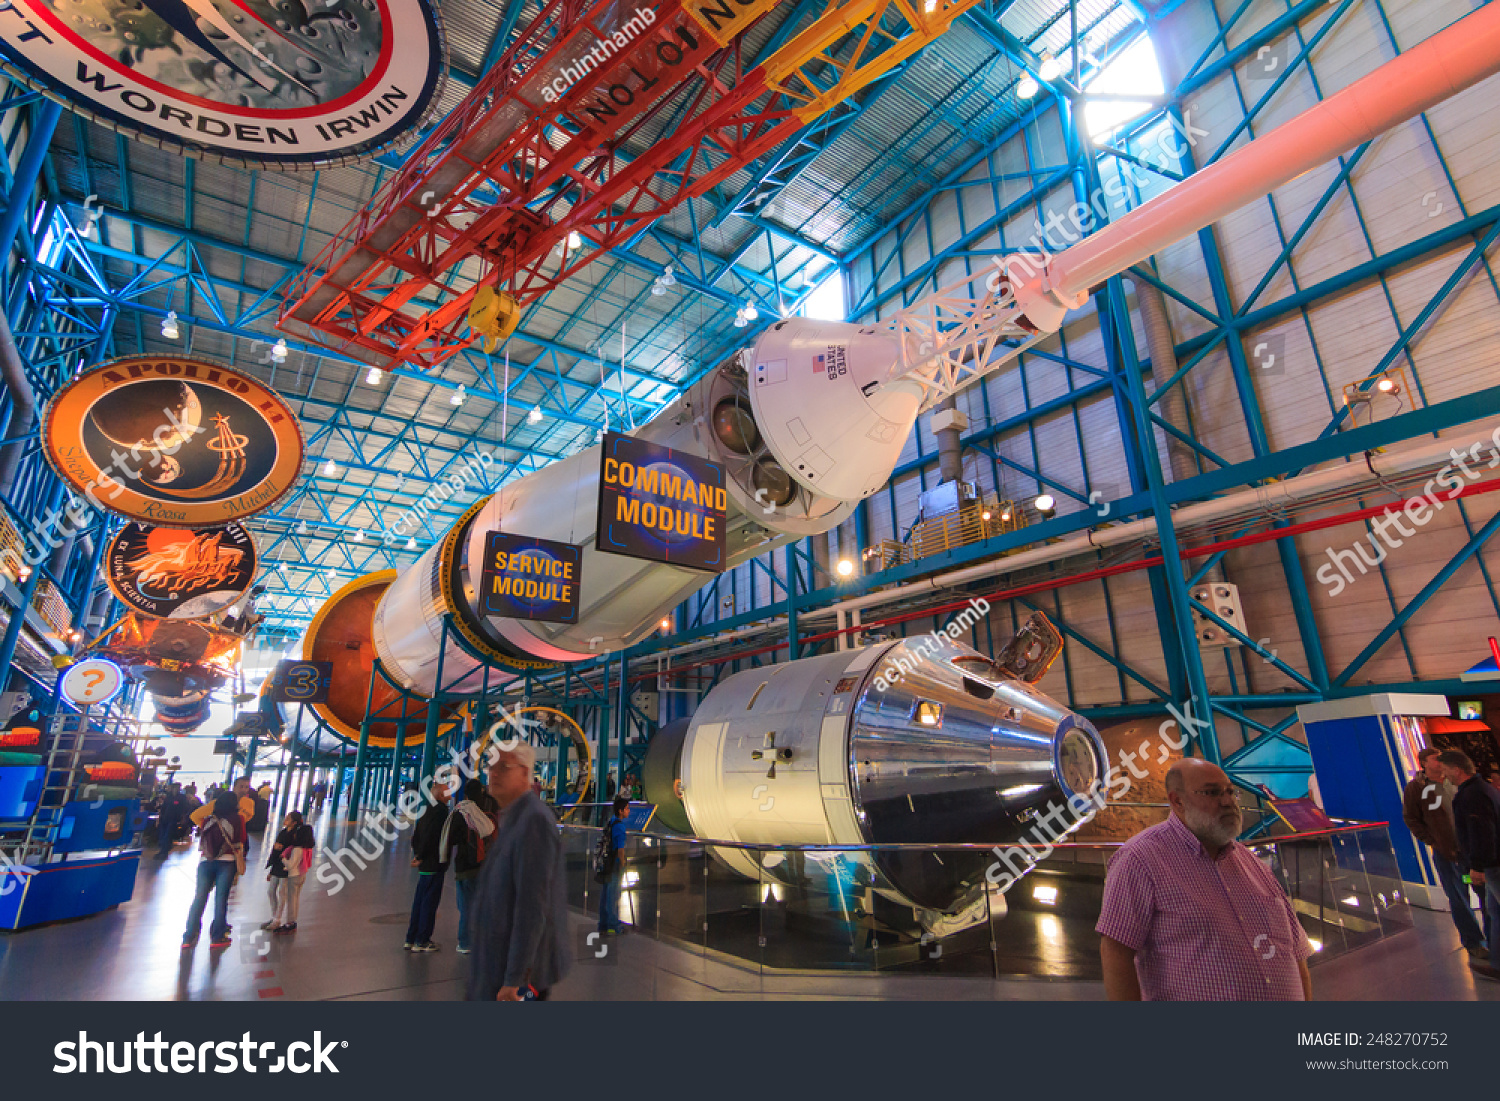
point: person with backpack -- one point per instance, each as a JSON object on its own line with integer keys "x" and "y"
{"x": 221, "y": 847}
{"x": 609, "y": 867}
{"x": 466, "y": 835}
{"x": 286, "y": 868}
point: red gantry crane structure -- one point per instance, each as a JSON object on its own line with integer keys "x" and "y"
{"x": 529, "y": 179}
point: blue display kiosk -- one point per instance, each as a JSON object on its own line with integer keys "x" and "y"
{"x": 1364, "y": 750}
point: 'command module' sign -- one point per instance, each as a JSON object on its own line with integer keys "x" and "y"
{"x": 660, "y": 504}
{"x": 302, "y": 681}
{"x": 526, "y": 578}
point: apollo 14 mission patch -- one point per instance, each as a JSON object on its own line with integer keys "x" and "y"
{"x": 254, "y": 82}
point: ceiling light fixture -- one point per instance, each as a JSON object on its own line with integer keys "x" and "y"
{"x": 359, "y": 536}
{"x": 330, "y": 470}
{"x": 845, "y": 567}
{"x": 278, "y": 353}
{"x": 740, "y": 321}
{"x": 535, "y": 416}
{"x": 1046, "y": 504}
{"x": 751, "y": 313}
{"x": 411, "y": 542}
{"x": 574, "y": 240}
{"x": 169, "y": 327}
{"x": 1028, "y": 87}
{"x": 374, "y": 376}
{"x": 458, "y": 396}
{"x": 1050, "y": 68}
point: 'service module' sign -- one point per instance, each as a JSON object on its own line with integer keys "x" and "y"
{"x": 526, "y": 578}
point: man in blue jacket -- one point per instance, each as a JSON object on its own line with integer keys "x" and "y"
{"x": 1476, "y": 822}
{"x": 520, "y": 916}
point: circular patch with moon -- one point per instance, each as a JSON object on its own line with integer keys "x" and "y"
{"x": 173, "y": 442}
{"x": 261, "y": 83}
{"x": 171, "y": 573}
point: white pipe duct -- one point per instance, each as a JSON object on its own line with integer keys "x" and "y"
{"x": 1445, "y": 64}
{"x": 1246, "y": 504}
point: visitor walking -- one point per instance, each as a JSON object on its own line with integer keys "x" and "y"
{"x": 466, "y": 836}
{"x": 221, "y": 847}
{"x": 520, "y": 906}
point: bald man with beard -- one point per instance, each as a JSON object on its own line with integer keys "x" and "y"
{"x": 1190, "y": 914}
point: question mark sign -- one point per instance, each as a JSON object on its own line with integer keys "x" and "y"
{"x": 94, "y": 677}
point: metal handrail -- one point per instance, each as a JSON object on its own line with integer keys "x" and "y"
{"x": 960, "y": 847}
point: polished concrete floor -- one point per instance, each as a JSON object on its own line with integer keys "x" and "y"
{"x": 348, "y": 946}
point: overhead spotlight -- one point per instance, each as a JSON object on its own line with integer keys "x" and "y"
{"x": 411, "y": 542}
{"x": 535, "y": 416}
{"x": 985, "y": 516}
{"x": 751, "y": 313}
{"x": 374, "y": 375}
{"x": 740, "y": 321}
{"x": 574, "y": 240}
{"x": 169, "y": 327}
{"x": 845, "y": 567}
{"x": 458, "y": 396}
{"x": 1005, "y": 517}
{"x": 1050, "y": 68}
{"x": 1046, "y": 504}
{"x": 929, "y": 6}
{"x": 666, "y": 624}
{"x": 667, "y": 279}
{"x": 301, "y": 527}
{"x": 278, "y": 353}
{"x": 1027, "y": 88}
{"x": 281, "y": 567}
{"x": 359, "y": 536}
{"x": 330, "y": 470}
{"x": 1386, "y": 385}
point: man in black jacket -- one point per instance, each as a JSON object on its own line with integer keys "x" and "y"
{"x": 1476, "y": 822}
{"x": 425, "y": 840}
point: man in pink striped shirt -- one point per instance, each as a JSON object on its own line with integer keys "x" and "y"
{"x": 1190, "y": 914}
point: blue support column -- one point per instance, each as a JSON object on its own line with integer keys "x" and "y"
{"x": 38, "y": 141}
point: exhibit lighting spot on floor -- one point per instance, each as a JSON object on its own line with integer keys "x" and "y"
{"x": 1045, "y": 893}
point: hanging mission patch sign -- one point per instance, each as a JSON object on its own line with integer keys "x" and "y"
{"x": 172, "y": 573}
{"x": 177, "y": 442}
{"x": 242, "y": 81}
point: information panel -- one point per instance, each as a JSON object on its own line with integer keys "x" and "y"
{"x": 302, "y": 681}
{"x": 660, "y": 504}
{"x": 526, "y": 578}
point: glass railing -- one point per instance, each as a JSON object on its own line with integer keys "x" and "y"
{"x": 789, "y": 909}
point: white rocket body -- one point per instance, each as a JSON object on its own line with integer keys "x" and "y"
{"x": 801, "y": 443}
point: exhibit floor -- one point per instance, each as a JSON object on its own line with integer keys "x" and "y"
{"x": 348, "y": 946}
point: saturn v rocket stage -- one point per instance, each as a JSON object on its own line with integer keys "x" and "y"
{"x": 807, "y": 422}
